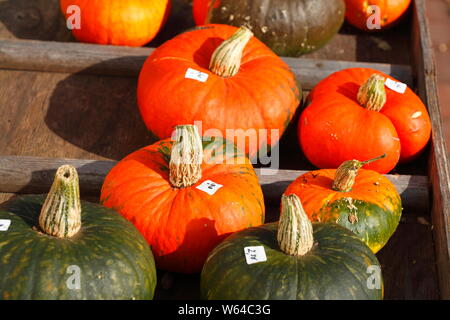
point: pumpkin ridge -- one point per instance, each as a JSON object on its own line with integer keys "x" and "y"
{"x": 158, "y": 217}
{"x": 260, "y": 111}
{"x": 206, "y": 93}
{"x": 122, "y": 185}
{"x": 16, "y": 254}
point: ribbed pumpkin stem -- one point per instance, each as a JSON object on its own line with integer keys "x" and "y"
{"x": 372, "y": 94}
{"x": 295, "y": 232}
{"x": 186, "y": 158}
{"x": 61, "y": 213}
{"x": 346, "y": 173}
{"x": 226, "y": 59}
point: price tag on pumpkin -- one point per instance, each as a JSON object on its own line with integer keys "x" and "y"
{"x": 4, "y": 224}
{"x": 255, "y": 254}
{"x": 209, "y": 187}
{"x": 196, "y": 75}
{"x": 396, "y": 86}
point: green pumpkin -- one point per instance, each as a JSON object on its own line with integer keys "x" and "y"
{"x": 304, "y": 262}
{"x": 288, "y": 27}
{"x": 361, "y": 200}
{"x": 58, "y": 247}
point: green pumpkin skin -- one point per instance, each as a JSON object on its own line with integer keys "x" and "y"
{"x": 375, "y": 225}
{"x": 289, "y": 27}
{"x": 114, "y": 260}
{"x": 336, "y": 268}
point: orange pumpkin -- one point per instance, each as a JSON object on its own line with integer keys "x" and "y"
{"x": 351, "y": 115}
{"x": 125, "y": 22}
{"x": 358, "y": 12}
{"x": 157, "y": 189}
{"x": 363, "y": 201}
{"x": 200, "y": 10}
{"x": 234, "y": 85}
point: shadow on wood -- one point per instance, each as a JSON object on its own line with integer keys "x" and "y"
{"x": 408, "y": 260}
{"x": 98, "y": 114}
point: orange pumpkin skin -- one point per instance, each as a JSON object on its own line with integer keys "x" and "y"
{"x": 263, "y": 94}
{"x": 391, "y": 10}
{"x": 374, "y": 197}
{"x": 200, "y": 10}
{"x": 183, "y": 225}
{"x": 125, "y": 22}
{"x": 335, "y": 127}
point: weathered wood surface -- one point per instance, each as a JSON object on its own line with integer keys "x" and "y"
{"x": 85, "y": 116}
{"x": 439, "y": 170}
{"x": 127, "y": 62}
{"x": 35, "y": 175}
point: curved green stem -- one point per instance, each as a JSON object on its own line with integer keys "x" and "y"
{"x": 226, "y": 59}
{"x": 346, "y": 173}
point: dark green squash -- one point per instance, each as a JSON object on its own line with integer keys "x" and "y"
{"x": 288, "y": 27}
{"x": 304, "y": 261}
{"x": 60, "y": 248}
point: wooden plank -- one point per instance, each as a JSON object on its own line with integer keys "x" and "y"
{"x": 42, "y": 20}
{"x": 127, "y": 62}
{"x": 439, "y": 171}
{"x": 69, "y": 116}
{"x": 35, "y": 175}
{"x": 408, "y": 260}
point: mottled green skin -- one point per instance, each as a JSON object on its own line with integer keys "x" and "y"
{"x": 114, "y": 259}
{"x": 375, "y": 225}
{"x": 335, "y": 268}
{"x": 288, "y": 27}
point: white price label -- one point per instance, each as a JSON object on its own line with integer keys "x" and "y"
{"x": 209, "y": 187}
{"x": 4, "y": 224}
{"x": 396, "y": 86}
{"x": 196, "y": 75}
{"x": 255, "y": 254}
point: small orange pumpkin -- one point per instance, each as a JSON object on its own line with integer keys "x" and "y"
{"x": 359, "y": 12}
{"x": 125, "y": 22}
{"x": 244, "y": 87}
{"x": 353, "y": 115}
{"x": 363, "y": 201}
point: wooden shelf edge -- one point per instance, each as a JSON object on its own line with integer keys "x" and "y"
{"x": 68, "y": 57}
{"x": 20, "y": 174}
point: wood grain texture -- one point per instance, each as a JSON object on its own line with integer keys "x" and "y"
{"x": 35, "y": 175}
{"x": 127, "y": 62}
{"x": 63, "y": 115}
{"x": 439, "y": 171}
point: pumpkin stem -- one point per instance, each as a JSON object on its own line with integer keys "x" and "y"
{"x": 61, "y": 213}
{"x": 186, "y": 157}
{"x": 346, "y": 173}
{"x": 226, "y": 59}
{"x": 295, "y": 232}
{"x": 372, "y": 94}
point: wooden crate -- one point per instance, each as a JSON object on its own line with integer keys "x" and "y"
{"x": 67, "y": 102}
